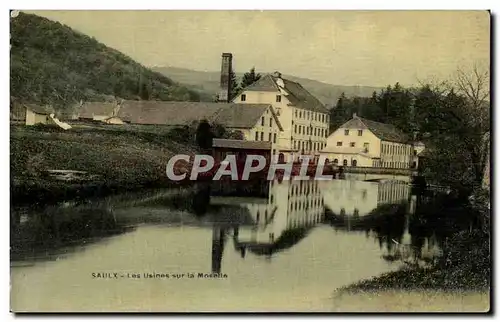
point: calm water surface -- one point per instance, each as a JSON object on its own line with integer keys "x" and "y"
{"x": 275, "y": 247}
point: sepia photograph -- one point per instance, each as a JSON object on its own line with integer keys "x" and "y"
{"x": 233, "y": 161}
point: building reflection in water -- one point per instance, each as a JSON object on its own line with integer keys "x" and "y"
{"x": 280, "y": 220}
{"x": 408, "y": 228}
{"x": 385, "y": 211}
{"x": 359, "y": 198}
{"x": 218, "y": 242}
{"x": 292, "y": 208}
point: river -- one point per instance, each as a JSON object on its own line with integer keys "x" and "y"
{"x": 277, "y": 247}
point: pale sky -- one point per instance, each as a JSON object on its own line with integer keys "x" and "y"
{"x": 337, "y": 47}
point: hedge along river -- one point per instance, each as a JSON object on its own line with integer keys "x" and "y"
{"x": 233, "y": 247}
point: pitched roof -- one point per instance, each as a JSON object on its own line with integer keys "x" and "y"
{"x": 296, "y": 94}
{"x": 44, "y": 110}
{"x": 243, "y": 116}
{"x": 385, "y": 132}
{"x": 165, "y": 113}
{"x": 265, "y": 84}
{"x": 229, "y": 115}
{"x": 89, "y": 109}
{"x": 242, "y": 144}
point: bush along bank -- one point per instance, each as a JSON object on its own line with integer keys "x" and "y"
{"x": 464, "y": 264}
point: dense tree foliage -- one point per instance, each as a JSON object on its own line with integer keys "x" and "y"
{"x": 249, "y": 78}
{"x": 53, "y": 64}
{"x": 450, "y": 118}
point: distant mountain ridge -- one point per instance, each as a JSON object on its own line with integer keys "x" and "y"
{"x": 208, "y": 82}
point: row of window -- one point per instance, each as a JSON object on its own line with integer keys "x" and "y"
{"x": 263, "y": 121}
{"x": 392, "y": 193}
{"x": 308, "y": 145}
{"x": 360, "y": 132}
{"x": 366, "y": 145}
{"x": 272, "y": 136}
{"x": 244, "y": 98}
{"x": 311, "y": 116}
{"x": 395, "y": 164}
{"x": 309, "y": 130}
{"x": 305, "y": 188}
{"x": 391, "y": 164}
{"x": 396, "y": 149}
{"x": 345, "y": 162}
{"x": 306, "y": 204}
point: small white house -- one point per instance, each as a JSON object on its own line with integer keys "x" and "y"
{"x": 30, "y": 114}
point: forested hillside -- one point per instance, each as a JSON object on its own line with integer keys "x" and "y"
{"x": 53, "y": 64}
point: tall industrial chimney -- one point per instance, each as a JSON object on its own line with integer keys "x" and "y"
{"x": 225, "y": 77}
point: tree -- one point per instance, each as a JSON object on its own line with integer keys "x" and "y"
{"x": 235, "y": 88}
{"x": 457, "y": 117}
{"x": 396, "y": 105}
{"x": 340, "y": 113}
{"x": 249, "y": 78}
{"x": 204, "y": 135}
{"x": 234, "y": 135}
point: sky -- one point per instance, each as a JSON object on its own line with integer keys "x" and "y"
{"x": 337, "y": 47}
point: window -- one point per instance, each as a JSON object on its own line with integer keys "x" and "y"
{"x": 335, "y": 161}
{"x": 300, "y": 114}
{"x": 274, "y": 138}
{"x": 300, "y": 129}
{"x": 360, "y": 132}
{"x": 345, "y": 162}
{"x": 295, "y": 145}
{"x": 271, "y": 122}
{"x": 315, "y": 131}
{"x": 296, "y": 113}
{"x": 366, "y": 145}
{"x": 354, "y": 163}
{"x": 256, "y": 136}
{"x": 339, "y": 143}
{"x": 262, "y": 122}
{"x": 295, "y": 128}
{"x": 262, "y": 136}
{"x": 243, "y": 97}
{"x": 278, "y": 98}
{"x": 346, "y": 132}
{"x": 353, "y": 144}
{"x": 270, "y": 137}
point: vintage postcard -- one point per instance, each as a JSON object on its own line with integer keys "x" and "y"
{"x": 250, "y": 161}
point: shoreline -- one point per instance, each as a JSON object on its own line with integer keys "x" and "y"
{"x": 47, "y": 192}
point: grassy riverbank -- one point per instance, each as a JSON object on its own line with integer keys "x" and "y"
{"x": 465, "y": 263}
{"x": 118, "y": 158}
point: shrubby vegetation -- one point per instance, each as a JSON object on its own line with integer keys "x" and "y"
{"x": 53, "y": 64}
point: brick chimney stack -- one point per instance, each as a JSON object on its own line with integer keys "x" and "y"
{"x": 225, "y": 77}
